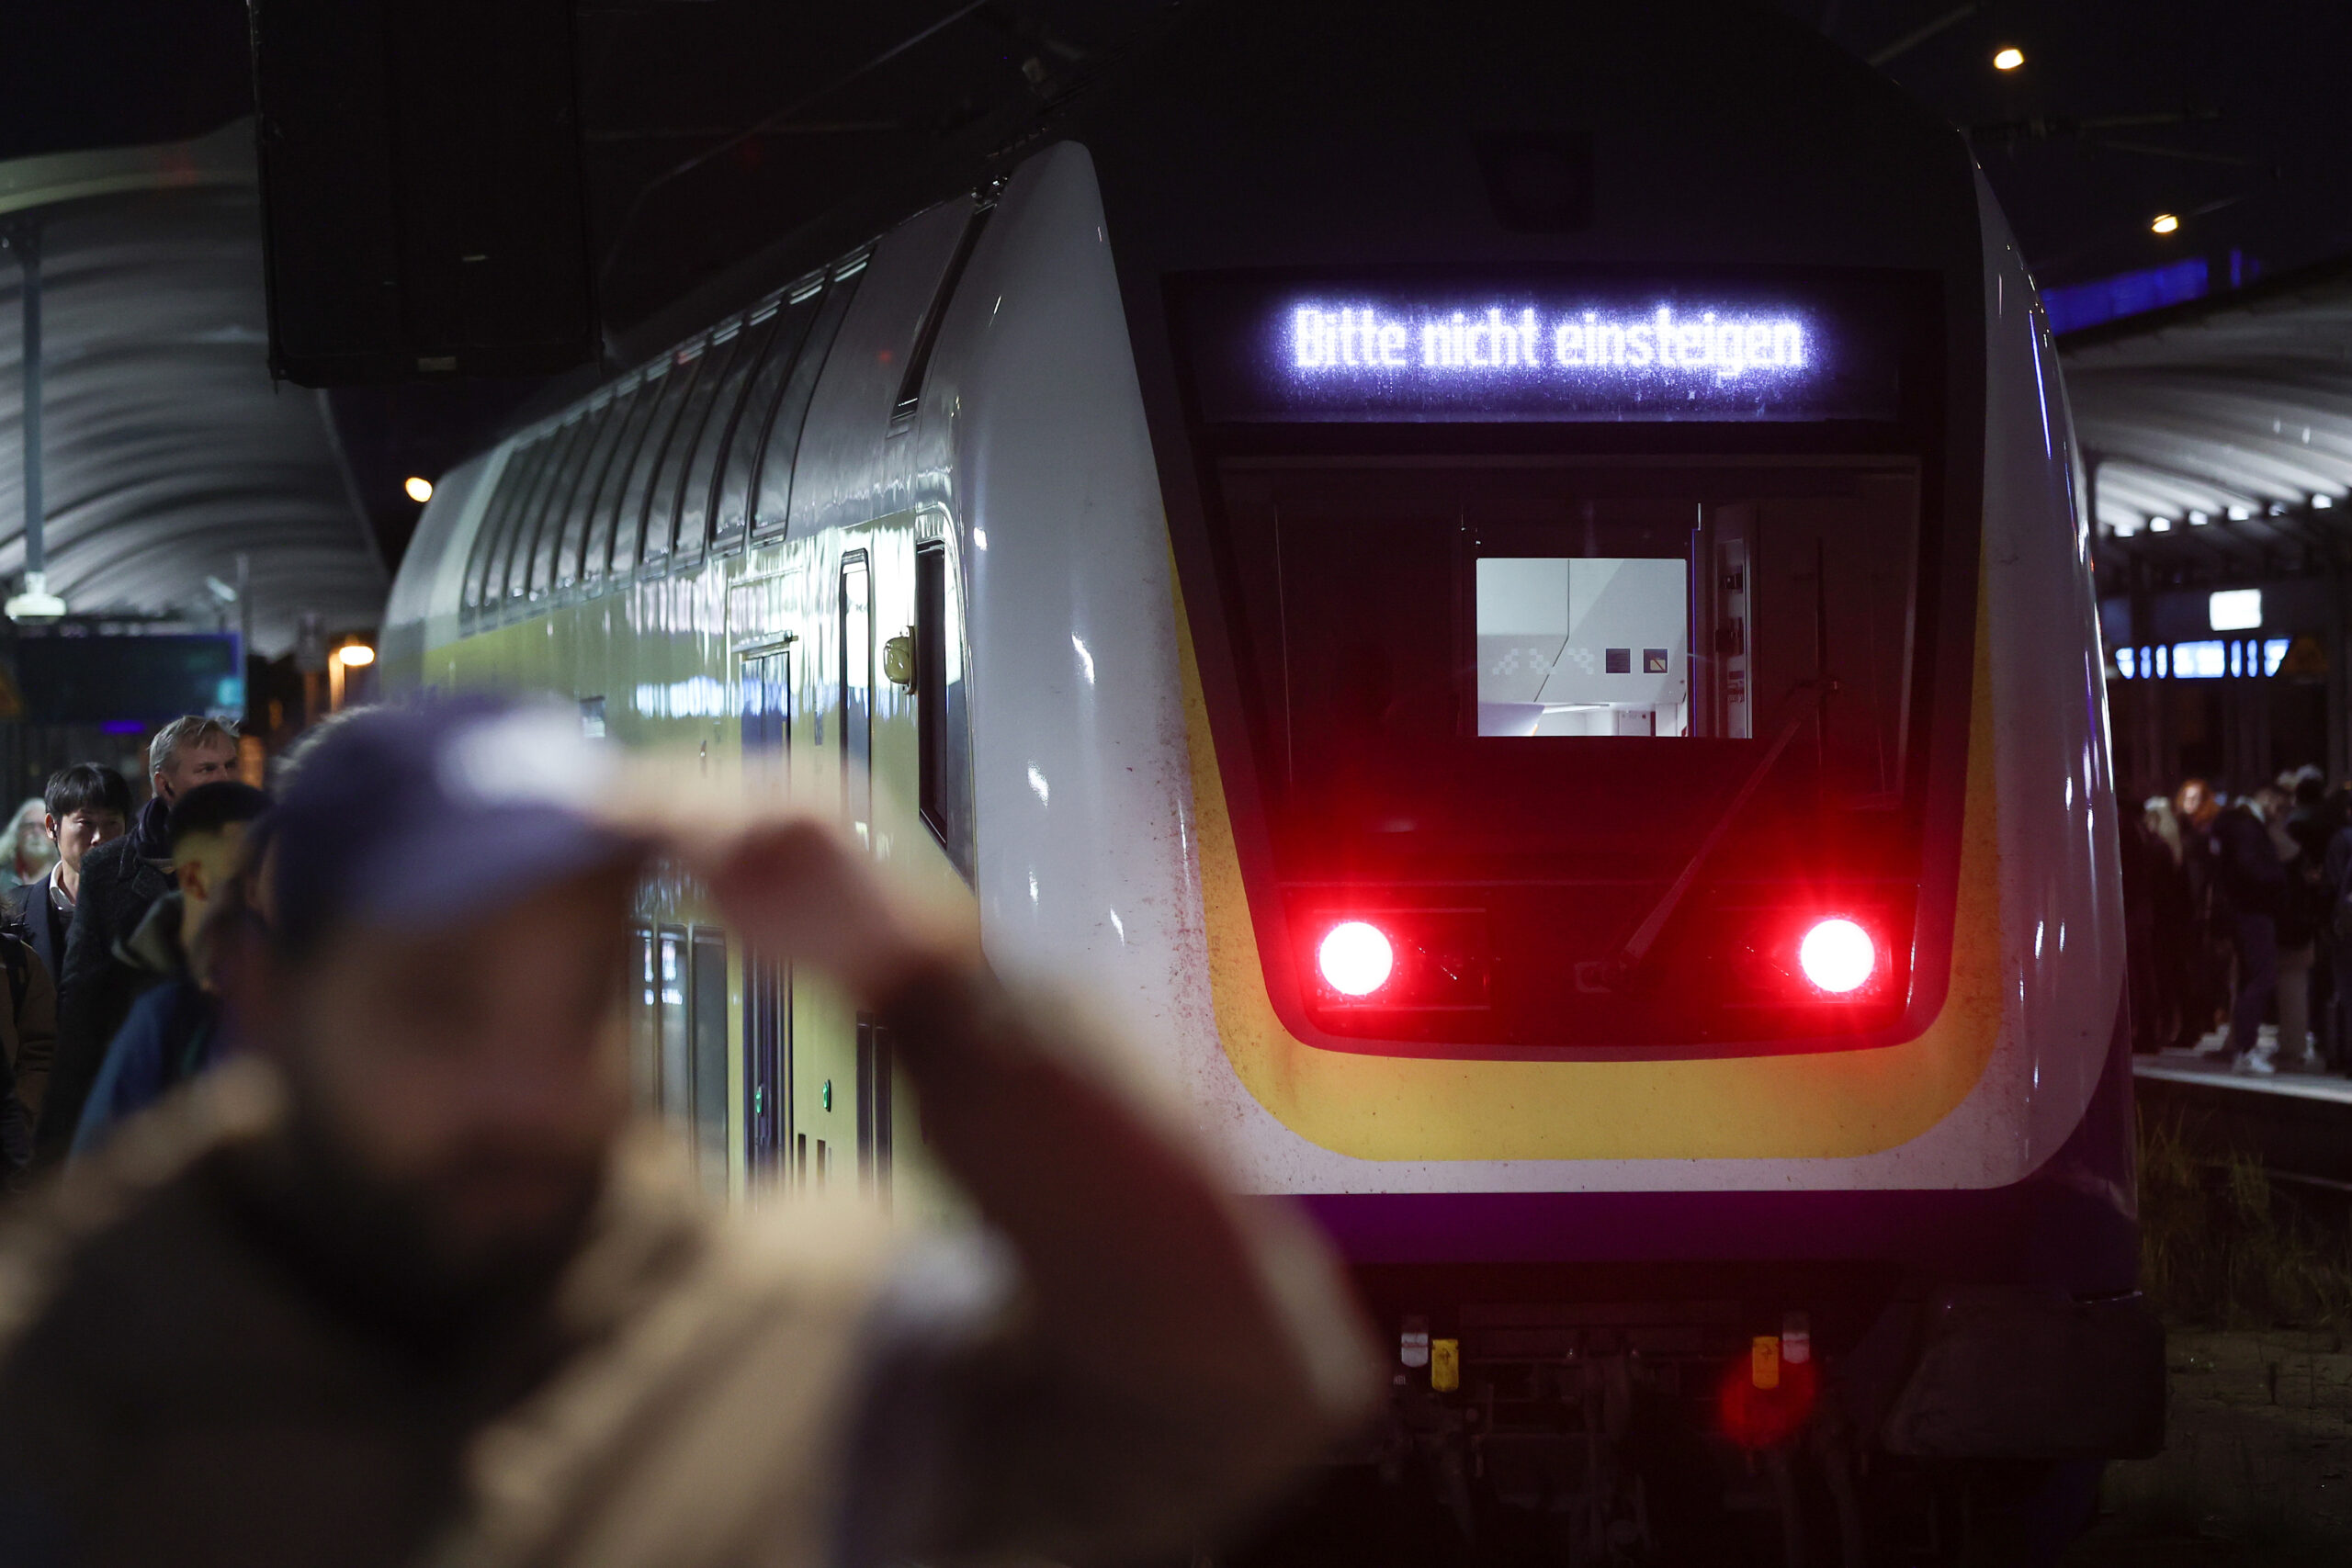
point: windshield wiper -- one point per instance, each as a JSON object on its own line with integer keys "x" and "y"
{"x": 1637, "y": 946}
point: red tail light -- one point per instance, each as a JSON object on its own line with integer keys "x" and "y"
{"x": 1355, "y": 958}
{"x": 1838, "y": 956}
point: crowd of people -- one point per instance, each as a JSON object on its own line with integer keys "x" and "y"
{"x": 93, "y": 923}
{"x": 2239, "y": 910}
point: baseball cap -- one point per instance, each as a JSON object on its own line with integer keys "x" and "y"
{"x": 411, "y": 817}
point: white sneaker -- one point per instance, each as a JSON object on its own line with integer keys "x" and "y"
{"x": 2255, "y": 1065}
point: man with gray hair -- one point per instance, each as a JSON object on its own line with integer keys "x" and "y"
{"x": 121, "y": 882}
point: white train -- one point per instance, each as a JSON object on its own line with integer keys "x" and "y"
{"x": 1509, "y": 587}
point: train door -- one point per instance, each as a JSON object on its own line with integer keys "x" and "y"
{"x": 645, "y": 1012}
{"x": 767, "y": 983}
{"x": 707, "y": 1029}
{"x": 874, "y": 1108}
{"x": 673, "y": 1086}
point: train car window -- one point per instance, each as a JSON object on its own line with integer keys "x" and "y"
{"x": 595, "y": 451}
{"x": 741, "y": 464}
{"x": 697, "y": 502}
{"x": 633, "y": 544}
{"x": 875, "y": 1116}
{"x": 710, "y": 982}
{"x": 666, "y": 525}
{"x": 676, "y": 1084}
{"x": 857, "y": 696}
{"x": 910, "y": 399}
{"x": 514, "y": 478}
{"x": 644, "y": 1024}
{"x": 596, "y": 558}
{"x": 514, "y": 523}
{"x": 533, "y": 522}
{"x": 771, "y": 490}
{"x": 942, "y": 729}
{"x": 539, "y": 578}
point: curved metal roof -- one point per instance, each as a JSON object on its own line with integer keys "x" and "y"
{"x": 2226, "y": 420}
{"x": 166, "y": 450}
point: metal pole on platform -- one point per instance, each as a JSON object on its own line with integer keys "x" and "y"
{"x": 35, "y": 603}
{"x": 26, "y": 241}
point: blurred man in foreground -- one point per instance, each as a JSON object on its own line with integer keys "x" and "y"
{"x": 396, "y": 1284}
{"x": 120, "y": 881}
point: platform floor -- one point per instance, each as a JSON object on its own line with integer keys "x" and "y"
{"x": 2207, "y": 1068}
{"x": 2299, "y": 1124}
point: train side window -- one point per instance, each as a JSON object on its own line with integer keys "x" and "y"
{"x": 670, "y": 476}
{"x": 514, "y": 478}
{"x": 676, "y": 1045}
{"x": 533, "y": 518}
{"x": 767, "y": 707}
{"x": 741, "y": 464}
{"x": 772, "y": 506}
{"x": 537, "y": 459}
{"x": 665, "y": 525}
{"x": 596, "y": 452}
{"x": 857, "y": 695}
{"x": 698, "y": 503}
{"x": 629, "y": 524}
{"x": 597, "y": 558}
{"x": 644, "y": 1023}
{"x": 943, "y": 738}
{"x": 874, "y": 1108}
{"x": 538, "y": 572}
{"x": 707, "y": 977}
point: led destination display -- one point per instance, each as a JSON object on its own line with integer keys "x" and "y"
{"x": 1275, "y": 352}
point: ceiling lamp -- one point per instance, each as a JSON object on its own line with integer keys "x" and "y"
{"x": 36, "y": 603}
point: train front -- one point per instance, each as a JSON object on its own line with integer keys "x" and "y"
{"x": 1646, "y": 740}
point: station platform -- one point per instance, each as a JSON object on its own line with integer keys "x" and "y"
{"x": 2298, "y": 1123}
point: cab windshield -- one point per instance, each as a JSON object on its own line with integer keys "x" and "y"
{"x": 1533, "y": 690}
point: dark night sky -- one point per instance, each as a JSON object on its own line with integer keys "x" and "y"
{"x": 2235, "y": 112}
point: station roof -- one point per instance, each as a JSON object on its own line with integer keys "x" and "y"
{"x": 166, "y": 450}
{"x": 2218, "y": 431}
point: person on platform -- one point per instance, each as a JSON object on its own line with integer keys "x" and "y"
{"x": 85, "y": 806}
{"x": 27, "y": 1043}
{"x": 119, "y": 882}
{"x": 174, "y": 1031}
{"x": 2252, "y": 879}
{"x": 397, "y": 1282}
{"x": 30, "y": 850}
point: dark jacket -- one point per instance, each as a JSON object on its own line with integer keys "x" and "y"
{"x": 27, "y": 1043}
{"x": 2254, "y": 880}
{"x": 120, "y": 881}
{"x": 30, "y": 906}
{"x": 173, "y": 1032}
